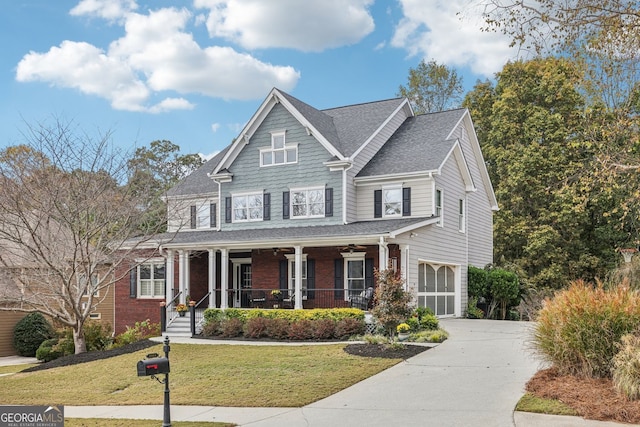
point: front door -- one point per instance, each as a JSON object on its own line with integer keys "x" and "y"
{"x": 241, "y": 284}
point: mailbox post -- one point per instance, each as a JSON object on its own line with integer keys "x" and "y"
{"x": 159, "y": 365}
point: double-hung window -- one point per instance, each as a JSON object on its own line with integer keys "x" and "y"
{"x": 461, "y": 215}
{"x": 280, "y": 153}
{"x": 307, "y": 203}
{"x": 151, "y": 279}
{"x": 248, "y": 207}
{"x": 203, "y": 216}
{"x": 392, "y": 201}
{"x": 438, "y": 207}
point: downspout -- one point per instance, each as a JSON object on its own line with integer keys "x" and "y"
{"x": 344, "y": 193}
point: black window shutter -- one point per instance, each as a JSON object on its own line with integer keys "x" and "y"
{"x": 368, "y": 273}
{"x": 328, "y": 202}
{"x": 285, "y": 205}
{"x": 227, "y": 209}
{"x": 266, "y": 206}
{"x": 311, "y": 278}
{"x": 377, "y": 204}
{"x": 406, "y": 201}
{"x": 338, "y": 283}
{"x": 213, "y": 215}
{"x": 133, "y": 281}
{"x": 284, "y": 278}
{"x": 193, "y": 217}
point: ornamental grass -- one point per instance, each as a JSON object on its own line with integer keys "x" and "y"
{"x": 579, "y": 330}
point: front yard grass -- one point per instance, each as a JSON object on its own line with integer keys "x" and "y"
{"x": 212, "y": 375}
{"x": 115, "y": 422}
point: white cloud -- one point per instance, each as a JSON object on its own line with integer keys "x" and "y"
{"x": 435, "y": 30}
{"x": 107, "y": 9}
{"x": 309, "y": 26}
{"x": 215, "y": 127}
{"x": 209, "y": 156}
{"x": 156, "y": 54}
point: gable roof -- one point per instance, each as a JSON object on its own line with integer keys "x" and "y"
{"x": 421, "y": 144}
{"x": 198, "y": 181}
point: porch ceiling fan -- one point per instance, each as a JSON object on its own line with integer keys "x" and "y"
{"x": 281, "y": 250}
{"x": 351, "y": 247}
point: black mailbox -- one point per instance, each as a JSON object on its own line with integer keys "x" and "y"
{"x": 158, "y": 365}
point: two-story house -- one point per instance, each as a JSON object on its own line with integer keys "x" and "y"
{"x": 311, "y": 201}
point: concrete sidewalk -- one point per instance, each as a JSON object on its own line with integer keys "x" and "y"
{"x": 476, "y": 377}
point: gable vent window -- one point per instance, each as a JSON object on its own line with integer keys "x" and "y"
{"x": 280, "y": 153}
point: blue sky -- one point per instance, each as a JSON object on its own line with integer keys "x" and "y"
{"x": 194, "y": 71}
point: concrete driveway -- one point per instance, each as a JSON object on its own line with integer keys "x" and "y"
{"x": 474, "y": 378}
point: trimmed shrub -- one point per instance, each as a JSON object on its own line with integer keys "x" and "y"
{"x": 505, "y": 289}
{"x": 578, "y": 331}
{"x": 31, "y": 331}
{"x": 473, "y": 312}
{"x": 626, "y": 367}
{"x": 97, "y": 335}
{"x": 346, "y": 328}
{"x": 231, "y": 328}
{"x": 140, "y": 331}
{"x": 301, "y": 330}
{"x": 478, "y": 280}
{"x": 414, "y": 323}
{"x": 429, "y": 322}
{"x": 256, "y": 327}
{"x": 324, "y": 329}
{"x": 46, "y": 351}
{"x": 211, "y": 328}
{"x": 278, "y": 329}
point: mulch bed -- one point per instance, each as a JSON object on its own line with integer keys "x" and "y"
{"x": 90, "y": 356}
{"x": 385, "y": 351}
{"x": 365, "y": 350}
{"x": 594, "y": 399}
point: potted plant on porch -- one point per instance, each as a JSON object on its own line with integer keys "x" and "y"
{"x": 182, "y": 309}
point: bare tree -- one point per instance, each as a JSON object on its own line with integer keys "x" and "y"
{"x": 432, "y": 87}
{"x": 66, "y": 212}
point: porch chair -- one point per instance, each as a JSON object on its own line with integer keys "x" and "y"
{"x": 362, "y": 301}
{"x": 258, "y": 299}
{"x": 289, "y": 301}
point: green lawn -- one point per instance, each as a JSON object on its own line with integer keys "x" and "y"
{"x": 103, "y": 422}
{"x": 212, "y": 375}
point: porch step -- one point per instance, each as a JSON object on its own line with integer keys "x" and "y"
{"x": 179, "y": 327}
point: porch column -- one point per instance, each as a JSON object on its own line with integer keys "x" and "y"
{"x": 184, "y": 275}
{"x": 212, "y": 278}
{"x": 168, "y": 281}
{"x": 383, "y": 255}
{"x": 224, "y": 278}
{"x": 298, "y": 282}
{"x": 404, "y": 265}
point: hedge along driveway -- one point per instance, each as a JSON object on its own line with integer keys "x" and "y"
{"x": 214, "y": 375}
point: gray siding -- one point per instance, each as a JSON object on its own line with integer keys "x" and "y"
{"x": 310, "y": 171}
{"x": 364, "y": 157}
{"x": 421, "y": 197}
{"x": 479, "y": 213}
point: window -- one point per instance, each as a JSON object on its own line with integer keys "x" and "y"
{"x": 354, "y": 273}
{"x": 461, "y": 216}
{"x": 307, "y": 203}
{"x": 247, "y": 207}
{"x": 438, "y": 206}
{"x": 88, "y": 287}
{"x": 392, "y": 199}
{"x": 279, "y": 153}
{"x": 203, "y": 219}
{"x": 151, "y": 279}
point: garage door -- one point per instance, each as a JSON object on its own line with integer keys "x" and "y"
{"x": 436, "y": 288}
